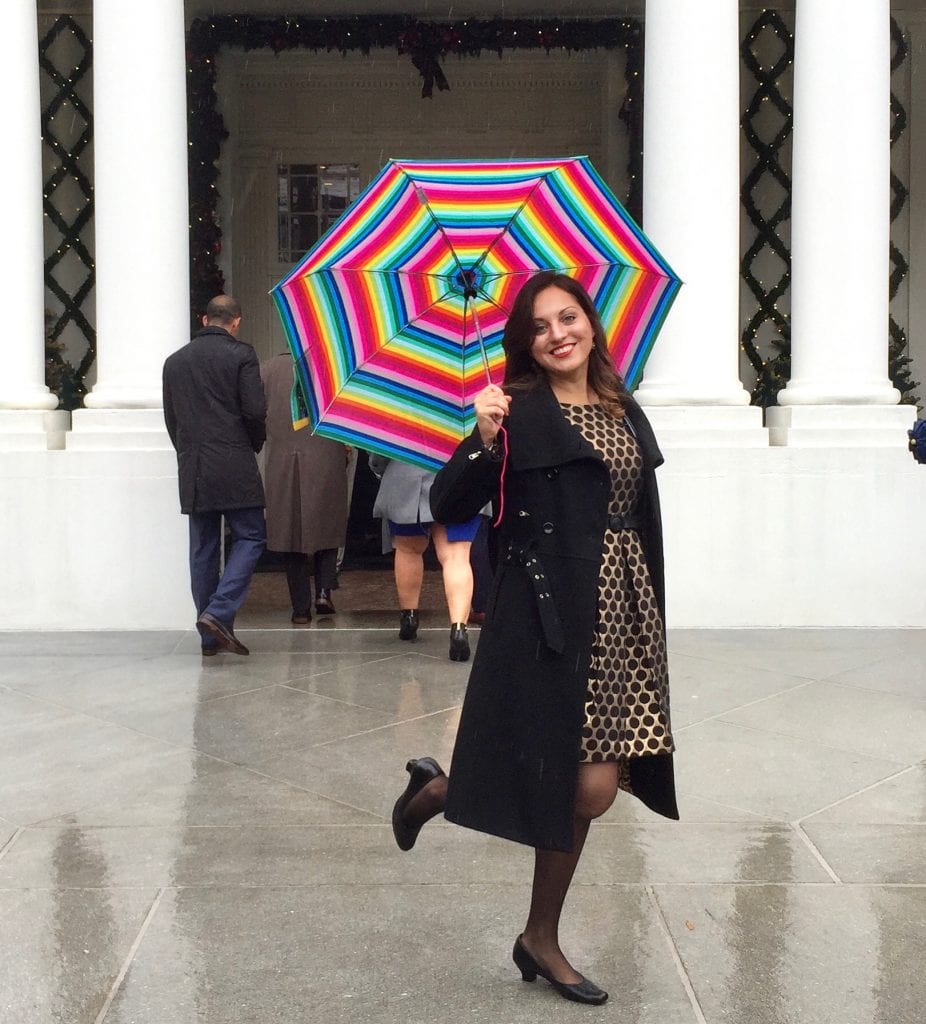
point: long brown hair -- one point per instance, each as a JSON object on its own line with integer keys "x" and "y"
{"x": 521, "y": 371}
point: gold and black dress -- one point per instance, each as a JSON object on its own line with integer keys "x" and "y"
{"x": 627, "y": 702}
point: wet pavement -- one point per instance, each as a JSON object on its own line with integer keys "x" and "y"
{"x": 188, "y": 840}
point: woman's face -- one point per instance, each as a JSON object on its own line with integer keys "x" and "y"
{"x": 563, "y": 336}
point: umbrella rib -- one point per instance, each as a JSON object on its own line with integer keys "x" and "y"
{"x": 513, "y": 218}
{"x": 423, "y": 200}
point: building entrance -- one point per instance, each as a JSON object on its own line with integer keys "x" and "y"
{"x": 308, "y": 131}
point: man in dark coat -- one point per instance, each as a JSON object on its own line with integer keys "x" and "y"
{"x": 215, "y": 412}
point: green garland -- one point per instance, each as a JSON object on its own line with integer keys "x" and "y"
{"x": 425, "y": 43}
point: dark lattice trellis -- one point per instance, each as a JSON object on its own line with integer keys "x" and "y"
{"x": 899, "y": 360}
{"x": 64, "y": 378}
{"x": 766, "y": 337}
{"x": 767, "y": 136}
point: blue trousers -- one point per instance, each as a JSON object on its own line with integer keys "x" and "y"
{"x": 222, "y": 594}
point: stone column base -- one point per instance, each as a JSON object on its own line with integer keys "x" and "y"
{"x": 118, "y": 429}
{"x": 707, "y": 426}
{"x": 840, "y": 426}
{"x": 29, "y": 430}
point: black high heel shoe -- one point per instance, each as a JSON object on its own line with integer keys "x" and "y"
{"x": 421, "y": 772}
{"x": 408, "y": 624}
{"x": 583, "y": 992}
{"x": 459, "y": 642}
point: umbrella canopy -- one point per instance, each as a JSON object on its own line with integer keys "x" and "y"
{"x": 395, "y": 317}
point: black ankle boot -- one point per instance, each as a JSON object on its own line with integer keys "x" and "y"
{"x": 408, "y": 624}
{"x": 459, "y": 642}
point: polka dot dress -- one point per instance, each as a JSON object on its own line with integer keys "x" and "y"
{"x": 627, "y": 704}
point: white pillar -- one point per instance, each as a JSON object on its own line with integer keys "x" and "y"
{"x": 691, "y": 210}
{"x": 141, "y": 215}
{"x": 23, "y": 394}
{"x": 915, "y": 25}
{"x": 840, "y": 231}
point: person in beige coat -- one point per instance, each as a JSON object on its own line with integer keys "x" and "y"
{"x": 305, "y": 480}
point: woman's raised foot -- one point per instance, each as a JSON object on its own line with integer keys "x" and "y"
{"x": 405, "y": 826}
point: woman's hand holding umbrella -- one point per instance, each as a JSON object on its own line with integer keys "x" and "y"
{"x": 491, "y": 407}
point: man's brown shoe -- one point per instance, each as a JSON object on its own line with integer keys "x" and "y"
{"x": 221, "y": 633}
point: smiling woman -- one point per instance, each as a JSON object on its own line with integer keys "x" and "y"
{"x": 568, "y": 699}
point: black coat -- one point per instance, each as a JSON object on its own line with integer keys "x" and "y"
{"x": 516, "y": 757}
{"x": 215, "y": 412}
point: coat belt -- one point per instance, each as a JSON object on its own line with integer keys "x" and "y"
{"x": 628, "y": 521}
{"x": 550, "y": 622}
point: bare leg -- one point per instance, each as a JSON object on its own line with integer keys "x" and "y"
{"x": 409, "y": 569}
{"x": 553, "y": 871}
{"x": 456, "y": 571}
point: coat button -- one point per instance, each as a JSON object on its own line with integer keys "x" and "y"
{"x": 547, "y": 527}
{"x": 552, "y": 474}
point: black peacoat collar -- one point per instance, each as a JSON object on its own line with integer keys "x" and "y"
{"x": 540, "y": 435}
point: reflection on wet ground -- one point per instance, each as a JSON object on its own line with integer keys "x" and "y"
{"x": 187, "y": 841}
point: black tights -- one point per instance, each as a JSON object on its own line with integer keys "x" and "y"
{"x": 553, "y": 869}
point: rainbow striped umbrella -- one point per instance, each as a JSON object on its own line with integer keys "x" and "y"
{"x": 395, "y": 317}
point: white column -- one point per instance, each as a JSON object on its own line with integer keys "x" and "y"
{"x": 691, "y": 210}
{"x": 915, "y": 24}
{"x": 840, "y": 231}
{"x": 141, "y": 217}
{"x": 22, "y": 383}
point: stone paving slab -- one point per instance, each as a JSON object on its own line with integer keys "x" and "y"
{"x": 886, "y": 853}
{"x": 780, "y": 776}
{"x": 899, "y": 800}
{"x": 78, "y": 643}
{"x": 52, "y": 760}
{"x": 900, "y": 673}
{"x": 198, "y": 790}
{"x": 409, "y": 684}
{"x": 243, "y": 728}
{"x": 782, "y": 954}
{"x": 435, "y": 954}
{"x": 808, "y": 653}
{"x": 60, "y": 951}
{"x": 701, "y": 692}
{"x": 880, "y": 725}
